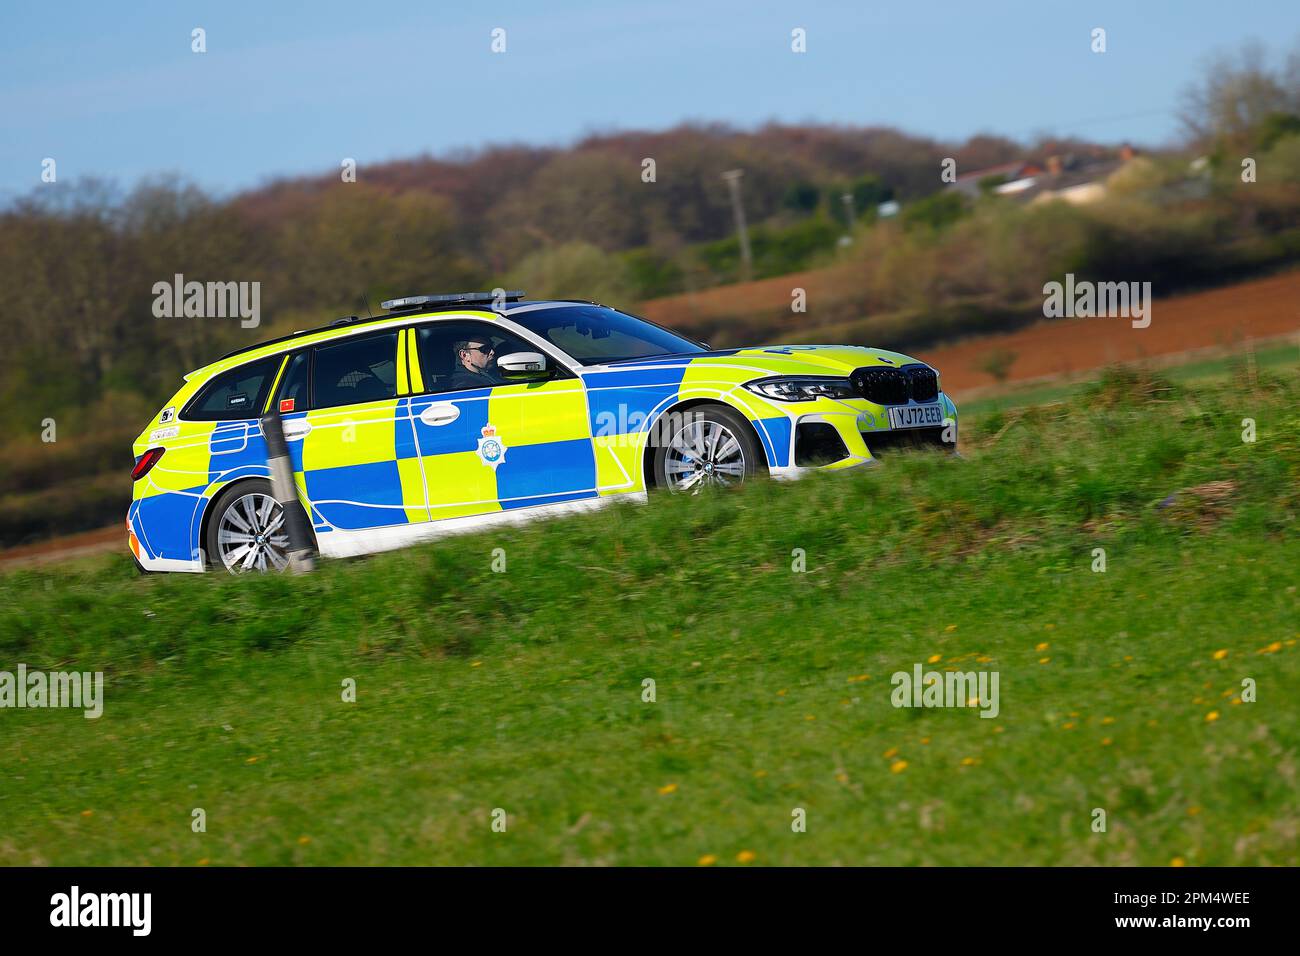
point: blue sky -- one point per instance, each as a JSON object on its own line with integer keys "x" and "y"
{"x": 113, "y": 90}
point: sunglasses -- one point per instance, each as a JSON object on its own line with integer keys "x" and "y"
{"x": 485, "y": 349}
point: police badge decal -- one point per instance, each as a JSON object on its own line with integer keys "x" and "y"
{"x": 490, "y": 448}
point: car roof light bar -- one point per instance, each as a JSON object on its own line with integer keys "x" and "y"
{"x": 454, "y": 298}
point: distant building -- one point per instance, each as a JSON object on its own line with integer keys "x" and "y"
{"x": 1073, "y": 179}
{"x": 1006, "y": 178}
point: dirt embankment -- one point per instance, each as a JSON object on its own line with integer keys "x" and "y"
{"x": 1255, "y": 310}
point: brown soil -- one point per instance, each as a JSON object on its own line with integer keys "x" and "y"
{"x": 1220, "y": 318}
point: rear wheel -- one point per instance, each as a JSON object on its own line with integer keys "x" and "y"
{"x": 247, "y": 531}
{"x": 711, "y": 446}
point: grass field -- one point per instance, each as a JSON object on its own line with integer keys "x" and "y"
{"x": 523, "y": 689}
{"x": 1280, "y": 357}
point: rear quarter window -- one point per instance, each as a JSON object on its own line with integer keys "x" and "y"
{"x": 238, "y": 393}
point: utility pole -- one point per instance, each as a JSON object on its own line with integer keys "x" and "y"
{"x": 732, "y": 176}
{"x": 849, "y": 215}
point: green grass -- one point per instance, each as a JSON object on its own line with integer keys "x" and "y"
{"x": 522, "y": 690}
{"x": 1283, "y": 358}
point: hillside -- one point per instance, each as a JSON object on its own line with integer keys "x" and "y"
{"x": 523, "y": 690}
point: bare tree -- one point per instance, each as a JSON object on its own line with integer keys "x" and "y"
{"x": 1236, "y": 93}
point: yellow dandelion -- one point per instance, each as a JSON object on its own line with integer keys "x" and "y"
{"x": 1178, "y": 861}
{"x": 1106, "y": 741}
{"x": 842, "y": 777}
{"x": 1108, "y": 720}
{"x": 203, "y": 862}
{"x": 973, "y": 702}
{"x": 707, "y": 860}
{"x": 304, "y": 840}
{"x": 950, "y": 628}
{"x": 780, "y": 693}
{"x": 934, "y": 658}
{"x": 925, "y": 740}
{"x": 1236, "y": 700}
{"x": 859, "y": 678}
{"x": 1193, "y": 811}
{"x": 476, "y": 664}
{"x": 810, "y": 717}
{"x": 898, "y": 766}
{"x": 1275, "y": 647}
{"x": 251, "y": 760}
{"x": 1212, "y": 716}
{"x": 1128, "y": 657}
{"x": 87, "y": 813}
{"x": 891, "y": 752}
{"x": 1068, "y": 725}
{"x": 745, "y": 856}
{"x": 668, "y": 788}
{"x": 969, "y": 761}
{"x": 1044, "y": 660}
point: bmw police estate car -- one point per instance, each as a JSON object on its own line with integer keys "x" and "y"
{"x": 455, "y": 411}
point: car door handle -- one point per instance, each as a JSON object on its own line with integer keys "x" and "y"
{"x": 296, "y": 429}
{"x": 440, "y": 414}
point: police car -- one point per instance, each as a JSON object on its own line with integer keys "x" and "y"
{"x": 451, "y": 412}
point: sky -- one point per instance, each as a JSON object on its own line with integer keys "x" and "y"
{"x": 114, "y": 90}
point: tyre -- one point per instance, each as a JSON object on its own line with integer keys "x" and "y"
{"x": 247, "y": 530}
{"x": 706, "y": 446}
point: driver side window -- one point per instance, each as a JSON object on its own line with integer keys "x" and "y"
{"x": 455, "y": 356}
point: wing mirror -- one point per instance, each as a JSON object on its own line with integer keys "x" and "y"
{"x": 522, "y": 365}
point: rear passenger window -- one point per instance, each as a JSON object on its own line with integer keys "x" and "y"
{"x": 239, "y": 393}
{"x": 362, "y": 369}
{"x": 292, "y": 396}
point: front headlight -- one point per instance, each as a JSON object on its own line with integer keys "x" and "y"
{"x": 791, "y": 388}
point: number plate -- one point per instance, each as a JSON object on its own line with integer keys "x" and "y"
{"x": 916, "y": 416}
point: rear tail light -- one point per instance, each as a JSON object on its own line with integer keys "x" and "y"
{"x": 146, "y": 461}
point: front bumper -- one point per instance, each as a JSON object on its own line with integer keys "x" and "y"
{"x": 836, "y": 434}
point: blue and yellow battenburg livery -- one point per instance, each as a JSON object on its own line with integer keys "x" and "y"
{"x": 392, "y": 443}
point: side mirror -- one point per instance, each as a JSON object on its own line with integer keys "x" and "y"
{"x": 522, "y": 365}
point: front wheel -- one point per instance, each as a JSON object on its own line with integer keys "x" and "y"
{"x": 708, "y": 446}
{"x": 247, "y": 531}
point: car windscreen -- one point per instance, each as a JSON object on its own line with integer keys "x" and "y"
{"x": 593, "y": 334}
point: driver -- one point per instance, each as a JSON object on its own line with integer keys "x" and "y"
{"x": 475, "y": 365}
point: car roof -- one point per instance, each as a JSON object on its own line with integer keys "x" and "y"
{"x": 350, "y": 323}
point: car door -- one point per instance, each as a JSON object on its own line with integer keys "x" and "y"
{"x": 495, "y": 447}
{"x": 353, "y": 446}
